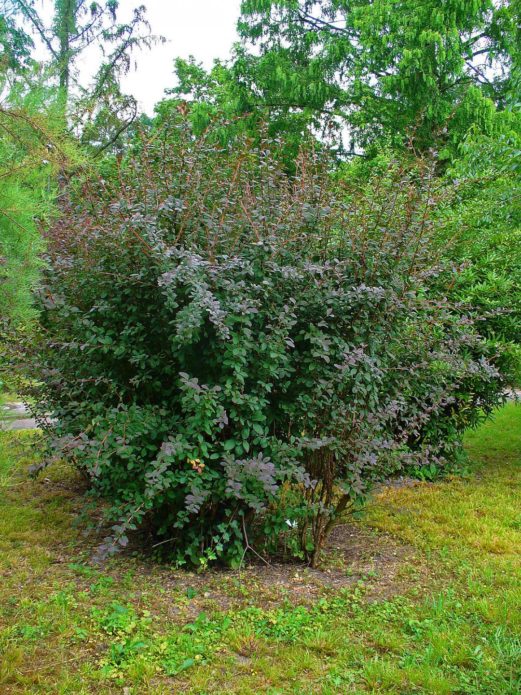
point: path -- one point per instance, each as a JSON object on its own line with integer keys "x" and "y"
{"x": 15, "y": 416}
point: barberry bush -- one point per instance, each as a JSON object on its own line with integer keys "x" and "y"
{"x": 236, "y": 354}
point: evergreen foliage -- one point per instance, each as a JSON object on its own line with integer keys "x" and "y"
{"x": 95, "y": 108}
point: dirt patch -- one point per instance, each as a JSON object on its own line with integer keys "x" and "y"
{"x": 354, "y": 556}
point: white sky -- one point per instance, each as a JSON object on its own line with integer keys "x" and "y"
{"x": 202, "y": 28}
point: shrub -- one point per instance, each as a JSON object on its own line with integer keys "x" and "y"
{"x": 237, "y": 355}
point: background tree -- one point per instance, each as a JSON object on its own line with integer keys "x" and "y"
{"x": 32, "y": 151}
{"x": 483, "y": 232}
{"x": 220, "y": 94}
{"x": 35, "y": 146}
{"x": 385, "y": 68}
{"x": 90, "y": 102}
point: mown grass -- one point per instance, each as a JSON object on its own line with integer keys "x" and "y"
{"x": 68, "y": 626}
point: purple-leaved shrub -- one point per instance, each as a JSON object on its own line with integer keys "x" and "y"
{"x": 237, "y": 354}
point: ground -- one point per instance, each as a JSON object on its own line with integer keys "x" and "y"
{"x": 420, "y": 595}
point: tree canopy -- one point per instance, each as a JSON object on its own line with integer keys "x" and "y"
{"x": 409, "y": 69}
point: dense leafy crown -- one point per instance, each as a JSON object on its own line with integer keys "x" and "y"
{"x": 386, "y": 67}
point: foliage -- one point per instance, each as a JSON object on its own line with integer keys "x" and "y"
{"x": 483, "y": 231}
{"x": 230, "y": 364}
{"x": 26, "y": 168}
{"x": 33, "y": 154}
{"x": 420, "y": 69}
{"x": 15, "y": 44}
{"x": 225, "y": 90}
{"x": 36, "y": 152}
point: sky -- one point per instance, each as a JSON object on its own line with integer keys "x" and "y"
{"x": 202, "y": 28}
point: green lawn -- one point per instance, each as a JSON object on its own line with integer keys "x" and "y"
{"x": 436, "y": 609}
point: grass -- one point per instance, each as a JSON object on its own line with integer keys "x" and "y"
{"x": 448, "y": 622}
